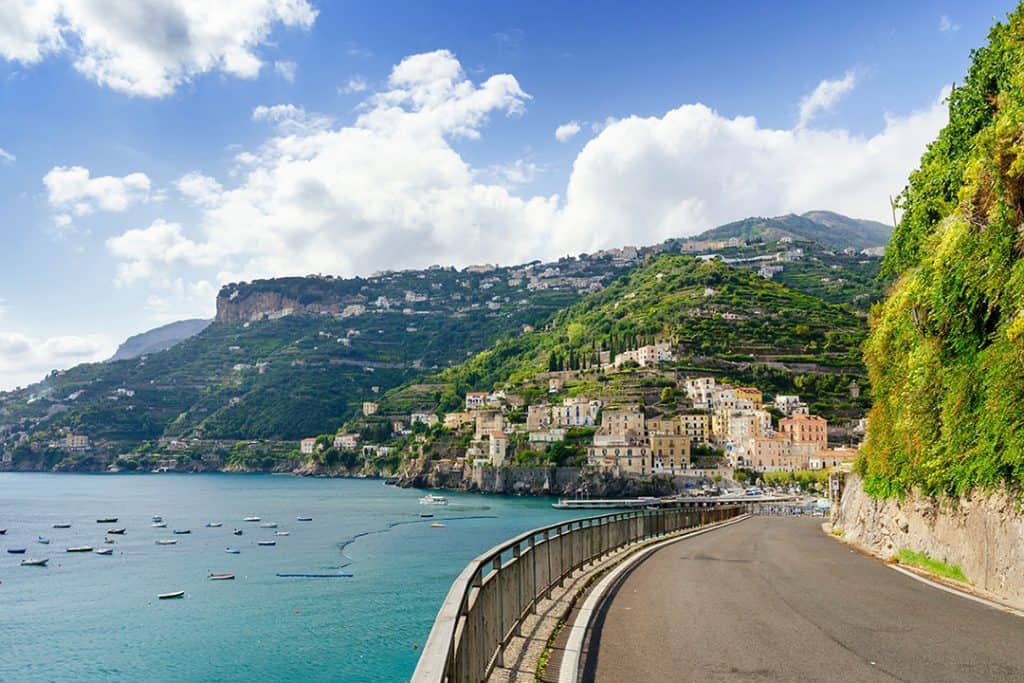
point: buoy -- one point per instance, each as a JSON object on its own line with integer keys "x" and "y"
{"x": 415, "y": 646}
{"x": 298, "y": 611}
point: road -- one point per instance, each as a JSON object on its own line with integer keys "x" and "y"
{"x": 775, "y": 599}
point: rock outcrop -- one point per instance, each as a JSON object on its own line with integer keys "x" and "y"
{"x": 983, "y": 534}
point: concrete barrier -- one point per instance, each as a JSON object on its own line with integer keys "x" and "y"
{"x": 496, "y": 591}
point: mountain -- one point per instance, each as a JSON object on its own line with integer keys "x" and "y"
{"x": 159, "y": 339}
{"x": 946, "y": 349}
{"x": 722, "y": 320}
{"x": 826, "y": 228}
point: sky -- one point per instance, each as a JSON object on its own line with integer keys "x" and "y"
{"x": 155, "y": 150}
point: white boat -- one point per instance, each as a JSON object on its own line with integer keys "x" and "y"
{"x": 80, "y": 549}
{"x": 431, "y": 499}
{"x": 166, "y": 541}
{"x": 232, "y": 551}
{"x": 34, "y": 563}
{"x": 266, "y": 543}
{"x": 304, "y": 519}
{"x": 43, "y": 539}
{"x": 157, "y": 518}
{"x": 268, "y": 525}
{"x": 437, "y": 525}
{"x": 159, "y": 525}
{"x": 251, "y": 519}
{"x": 171, "y": 596}
{"x": 214, "y": 525}
{"x": 104, "y": 551}
{"x": 281, "y": 533}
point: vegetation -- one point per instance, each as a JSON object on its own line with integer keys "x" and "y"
{"x": 930, "y": 564}
{"x": 946, "y": 350}
{"x": 823, "y": 227}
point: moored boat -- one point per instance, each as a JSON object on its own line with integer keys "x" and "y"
{"x": 237, "y": 532}
{"x": 43, "y": 539}
{"x": 297, "y": 575}
{"x": 426, "y": 514}
{"x": 232, "y": 551}
{"x": 214, "y": 525}
{"x": 157, "y": 518}
{"x": 266, "y": 543}
{"x": 182, "y": 531}
{"x": 281, "y": 533}
{"x": 251, "y": 519}
{"x": 116, "y": 531}
{"x": 304, "y": 519}
{"x": 62, "y": 525}
{"x": 166, "y": 541}
{"x": 221, "y": 577}
{"x": 171, "y": 596}
{"x": 80, "y": 549}
{"x": 107, "y": 520}
{"x": 104, "y": 551}
{"x": 431, "y": 499}
{"x": 3, "y": 531}
{"x": 34, "y": 563}
{"x": 268, "y": 525}
{"x": 16, "y": 551}
{"x": 437, "y": 525}
{"x": 159, "y": 525}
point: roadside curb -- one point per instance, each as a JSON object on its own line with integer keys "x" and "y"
{"x": 955, "y": 588}
{"x": 573, "y": 651}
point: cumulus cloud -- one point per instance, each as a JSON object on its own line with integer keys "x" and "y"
{"x": 946, "y": 25}
{"x": 74, "y": 188}
{"x": 286, "y": 70}
{"x": 25, "y": 359}
{"x": 825, "y": 96}
{"x": 567, "y": 130}
{"x": 147, "y": 47}
{"x": 199, "y": 189}
{"x": 6, "y": 157}
{"x": 355, "y": 84}
{"x": 389, "y": 189}
{"x": 290, "y": 119}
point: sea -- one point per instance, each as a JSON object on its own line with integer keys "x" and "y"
{"x": 87, "y": 617}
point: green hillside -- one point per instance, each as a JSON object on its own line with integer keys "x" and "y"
{"x": 946, "y": 351}
{"x": 725, "y": 320}
{"x": 826, "y": 228}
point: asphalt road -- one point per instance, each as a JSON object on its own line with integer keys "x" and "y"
{"x": 775, "y": 599}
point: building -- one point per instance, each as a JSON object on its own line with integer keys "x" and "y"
{"x": 552, "y": 435}
{"x": 498, "y": 448}
{"x": 750, "y": 394}
{"x": 488, "y": 421}
{"x": 347, "y": 442}
{"x": 700, "y": 390}
{"x": 576, "y": 412}
{"x": 620, "y": 421}
{"x": 652, "y": 354}
{"x": 424, "y": 417}
{"x": 723, "y": 398}
{"x": 805, "y": 429}
{"x": 306, "y": 446}
{"x": 832, "y": 457}
{"x": 476, "y": 400}
{"x": 697, "y": 426}
{"x": 555, "y": 385}
{"x": 457, "y": 419}
{"x": 670, "y": 452}
{"x": 538, "y": 417}
{"x": 801, "y": 443}
{"x": 369, "y": 408}
{"x": 664, "y": 425}
{"x": 790, "y": 405}
{"x": 620, "y": 459}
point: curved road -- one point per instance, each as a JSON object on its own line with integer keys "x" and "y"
{"x": 775, "y": 599}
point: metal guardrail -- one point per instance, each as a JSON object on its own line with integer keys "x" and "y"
{"x": 494, "y": 593}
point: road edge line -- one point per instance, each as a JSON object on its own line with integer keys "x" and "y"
{"x": 569, "y": 670}
{"x": 956, "y": 591}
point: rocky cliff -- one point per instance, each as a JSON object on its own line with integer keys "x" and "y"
{"x": 982, "y": 533}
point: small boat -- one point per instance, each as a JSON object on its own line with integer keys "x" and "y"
{"x": 182, "y": 531}
{"x": 171, "y": 596}
{"x": 3, "y": 531}
{"x": 304, "y": 519}
{"x": 159, "y": 525}
{"x": 43, "y": 539}
{"x": 232, "y": 551}
{"x": 431, "y": 499}
{"x": 116, "y": 532}
{"x": 281, "y": 533}
{"x": 426, "y": 514}
{"x": 214, "y": 525}
{"x": 80, "y": 549}
{"x": 104, "y": 551}
{"x": 268, "y": 525}
{"x": 221, "y": 577}
{"x": 437, "y": 525}
{"x": 290, "y": 575}
{"x": 16, "y": 551}
{"x": 251, "y": 519}
{"x": 166, "y": 541}
{"x": 34, "y": 563}
{"x": 62, "y": 525}
{"x": 109, "y": 541}
{"x": 237, "y": 532}
{"x": 107, "y": 520}
{"x": 266, "y": 543}
{"x": 157, "y": 518}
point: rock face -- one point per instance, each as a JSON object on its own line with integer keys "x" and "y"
{"x": 983, "y": 534}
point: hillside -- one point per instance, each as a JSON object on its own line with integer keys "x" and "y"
{"x": 159, "y": 339}
{"x": 946, "y": 351}
{"x": 725, "y": 321}
{"x": 826, "y": 228}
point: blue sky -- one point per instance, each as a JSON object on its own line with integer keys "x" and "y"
{"x": 153, "y": 151}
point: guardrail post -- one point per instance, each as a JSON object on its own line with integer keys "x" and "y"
{"x": 500, "y": 594}
{"x": 532, "y": 549}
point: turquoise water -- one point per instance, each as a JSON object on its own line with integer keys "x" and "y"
{"x": 87, "y": 617}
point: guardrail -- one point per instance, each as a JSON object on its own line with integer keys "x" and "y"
{"x": 500, "y": 588}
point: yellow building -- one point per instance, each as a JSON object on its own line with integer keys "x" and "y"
{"x": 670, "y": 452}
{"x": 752, "y": 394}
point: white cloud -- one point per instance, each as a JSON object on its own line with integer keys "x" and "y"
{"x": 25, "y": 359}
{"x": 286, "y": 70}
{"x": 6, "y": 157}
{"x": 147, "y": 47}
{"x": 73, "y": 188}
{"x": 355, "y": 84}
{"x": 180, "y": 299}
{"x": 389, "y": 190}
{"x": 825, "y": 96}
{"x": 199, "y": 189}
{"x": 290, "y": 119}
{"x": 946, "y": 25}
{"x": 148, "y": 253}
{"x": 567, "y": 130}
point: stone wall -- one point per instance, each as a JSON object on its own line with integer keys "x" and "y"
{"x": 983, "y": 534}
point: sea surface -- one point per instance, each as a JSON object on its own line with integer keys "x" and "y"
{"x": 87, "y": 617}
